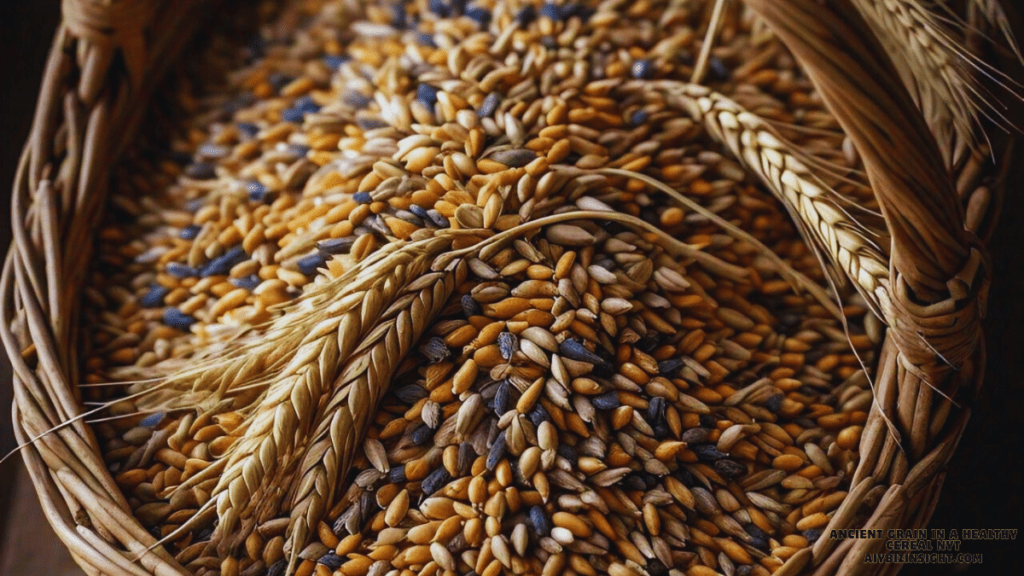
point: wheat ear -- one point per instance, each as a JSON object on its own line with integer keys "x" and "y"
{"x": 821, "y": 215}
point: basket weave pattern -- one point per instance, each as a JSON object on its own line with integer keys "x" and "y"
{"x": 105, "y": 60}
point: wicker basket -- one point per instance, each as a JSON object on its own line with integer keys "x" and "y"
{"x": 105, "y": 59}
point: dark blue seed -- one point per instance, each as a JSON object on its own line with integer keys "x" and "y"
{"x": 502, "y": 397}
{"x": 155, "y": 296}
{"x": 568, "y": 452}
{"x": 550, "y": 11}
{"x": 707, "y": 421}
{"x": 278, "y": 80}
{"x": 540, "y": 521}
{"x": 643, "y": 69}
{"x": 758, "y": 538}
{"x": 575, "y": 9}
{"x": 222, "y": 265}
{"x": 707, "y": 452}
{"x": 489, "y": 105}
{"x": 178, "y": 320}
{"x": 292, "y": 115}
{"x": 717, "y": 69}
{"x": 426, "y": 40}
{"x": 396, "y": 475}
{"x": 470, "y": 306}
{"x": 575, "y": 350}
{"x": 306, "y": 105}
{"x": 335, "y": 62}
{"x": 249, "y": 282}
{"x": 152, "y": 420}
{"x": 331, "y": 560}
{"x": 399, "y": 17}
{"x": 278, "y": 568}
{"x": 435, "y": 350}
{"x": 650, "y": 480}
{"x": 525, "y": 16}
{"x": 482, "y": 16}
{"x": 310, "y": 264}
{"x": 730, "y": 468}
{"x": 179, "y": 270}
{"x": 418, "y": 211}
{"x": 656, "y": 411}
{"x": 337, "y": 245}
{"x": 371, "y": 123}
{"x": 427, "y": 95}
{"x": 686, "y": 477}
{"x": 538, "y": 415}
{"x": 788, "y": 322}
{"x": 496, "y": 451}
{"x": 638, "y": 118}
{"x": 248, "y": 130}
{"x": 356, "y": 99}
{"x": 411, "y": 394}
{"x": 813, "y": 534}
{"x": 201, "y": 171}
{"x": 466, "y": 457}
{"x": 458, "y": 6}
{"x": 774, "y": 403}
{"x": 607, "y": 401}
{"x": 435, "y": 481}
{"x": 438, "y": 219}
{"x": 440, "y": 7}
{"x": 695, "y": 436}
{"x": 298, "y": 150}
{"x": 507, "y": 345}
{"x": 189, "y": 232}
{"x": 668, "y": 367}
{"x": 421, "y": 434}
{"x": 744, "y": 570}
{"x": 362, "y": 197}
{"x": 257, "y": 191}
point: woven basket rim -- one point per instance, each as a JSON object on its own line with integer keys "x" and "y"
{"x": 56, "y": 199}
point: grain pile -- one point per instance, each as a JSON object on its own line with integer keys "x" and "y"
{"x": 437, "y": 287}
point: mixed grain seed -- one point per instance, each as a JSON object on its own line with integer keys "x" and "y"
{"x": 586, "y": 401}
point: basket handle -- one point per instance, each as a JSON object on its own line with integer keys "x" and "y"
{"x": 938, "y": 279}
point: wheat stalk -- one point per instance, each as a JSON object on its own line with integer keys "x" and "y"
{"x": 934, "y": 66}
{"x": 816, "y": 209}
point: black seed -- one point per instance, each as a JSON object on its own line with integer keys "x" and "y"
{"x": 686, "y": 477}
{"x": 418, "y": 211}
{"x": 178, "y": 320}
{"x": 633, "y": 482}
{"x": 438, "y": 219}
{"x": 607, "y": 401}
{"x": 656, "y": 411}
{"x": 482, "y": 16}
{"x": 730, "y": 468}
{"x": 421, "y": 434}
{"x": 470, "y": 306}
{"x": 435, "y": 481}
{"x": 638, "y": 118}
{"x": 707, "y": 421}
{"x": 426, "y": 39}
{"x": 310, "y": 264}
{"x": 502, "y": 397}
{"x": 774, "y": 403}
{"x": 362, "y": 197}
{"x": 568, "y": 452}
{"x": 411, "y": 394}
{"x": 758, "y": 537}
{"x": 717, "y": 69}
{"x": 189, "y": 232}
{"x": 222, "y": 265}
{"x": 744, "y": 570}
{"x": 525, "y": 16}
{"x": 549, "y": 10}
{"x": 538, "y": 414}
{"x": 435, "y": 350}
{"x": 540, "y": 521}
{"x": 335, "y": 62}
{"x": 331, "y": 560}
{"x": 257, "y": 191}
{"x": 788, "y": 322}
{"x": 575, "y": 350}
{"x": 440, "y": 7}
{"x": 489, "y": 105}
{"x": 497, "y": 451}
{"x": 155, "y": 296}
{"x": 813, "y": 534}
{"x": 278, "y": 568}
{"x": 201, "y": 171}
{"x": 247, "y": 130}
{"x": 507, "y": 344}
{"x": 292, "y": 115}
{"x": 396, "y": 475}
{"x": 398, "y": 15}
{"x": 707, "y": 452}
{"x": 668, "y": 367}
{"x": 656, "y": 568}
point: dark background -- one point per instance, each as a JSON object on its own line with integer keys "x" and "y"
{"x": 984, "y": 479}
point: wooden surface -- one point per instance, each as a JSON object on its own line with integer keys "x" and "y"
{"x": 984, "y": 482}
